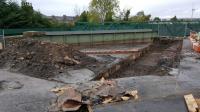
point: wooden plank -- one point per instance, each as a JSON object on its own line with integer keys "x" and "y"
{"x": 191, "y": 103}
{"x": 198, "y": 103}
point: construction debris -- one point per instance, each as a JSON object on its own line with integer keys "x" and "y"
{"x": 198, "y": 103}
{"x": 89, "y": 108}
{"x": 59, "y": 91}
{"x": 69, "y": 99}
{"x": 195, "y": 41}
{"x": 191, "y": 103}
{"x": 133, "y": 94}
{"x": 108, "y": 91}
{"x": 125, "y": 98}
{"x": 101, "y": 92}
{"x": 107, "y": 100}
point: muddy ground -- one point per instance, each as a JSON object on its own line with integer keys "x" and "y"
{"x": 162, "y": 57}
{"x": 42, "y": 59}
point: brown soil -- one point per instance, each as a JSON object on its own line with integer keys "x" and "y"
{"x": 161, "y": 58}
{"x": 41, "y": 59}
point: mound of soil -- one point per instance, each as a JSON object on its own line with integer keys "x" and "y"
{"x": 41, "y": 59}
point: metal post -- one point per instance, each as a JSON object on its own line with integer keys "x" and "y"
{"x": 158, "y": 30}
{"x": 4, "y": 41}
{"x": 185, "y": 30}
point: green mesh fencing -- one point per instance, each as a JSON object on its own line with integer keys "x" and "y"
{"x": 163, "y": 28}
{"x": 1, "y": 36}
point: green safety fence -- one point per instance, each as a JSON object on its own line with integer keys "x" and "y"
{"x": 112, "y": 26}
{"x": 1, "y": 35}
{"x": 163, "y": 28}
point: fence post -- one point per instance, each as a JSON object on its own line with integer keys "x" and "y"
{"x": 4, "y": 41}
{"x": 185, "y": 30}
{"x": 158, "y": 29}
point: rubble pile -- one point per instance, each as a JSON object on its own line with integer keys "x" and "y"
{"x": 41, "y": 59}
{"x": 99, "y": 92}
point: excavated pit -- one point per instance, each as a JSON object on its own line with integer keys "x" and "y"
{"x": 162, "y": 57}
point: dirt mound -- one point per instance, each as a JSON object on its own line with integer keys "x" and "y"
{"x": 41, "y": 59}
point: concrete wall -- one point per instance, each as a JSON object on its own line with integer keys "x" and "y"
{"x": 121, "y": 64}
{"x": 99, "y": 36}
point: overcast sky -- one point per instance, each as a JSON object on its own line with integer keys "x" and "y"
{"x": 160, "y": 8}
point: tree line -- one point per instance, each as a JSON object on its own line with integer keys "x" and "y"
{"x": 101, "y": 11}
{"x": 13, "y": 15}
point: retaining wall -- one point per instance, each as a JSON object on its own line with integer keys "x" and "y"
{"x": 120, "y": 64}
{"x": 99, "y": 37}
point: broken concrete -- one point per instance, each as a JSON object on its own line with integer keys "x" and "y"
{"x": 99, "y": 92}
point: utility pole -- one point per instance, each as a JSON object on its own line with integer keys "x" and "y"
{"x": 193, "y": 10}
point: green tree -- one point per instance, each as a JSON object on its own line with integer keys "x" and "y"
{"x": 174, "y": 19}
{"x": 124, "y": 15}
{"x": 141, "y": 17}
{"x": 84, "y": 16}
{"x": 93, "y": 17}
{"x": 12, "y": 15}
{"x": 104, "y": 8}
{"x": 64, "y": 18}
{"x": 109, "y": 17}
{"x": 157, "y": 19}
{"x": 127, "y": 15}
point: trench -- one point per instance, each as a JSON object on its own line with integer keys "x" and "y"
{"x": 158, "y": 59}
